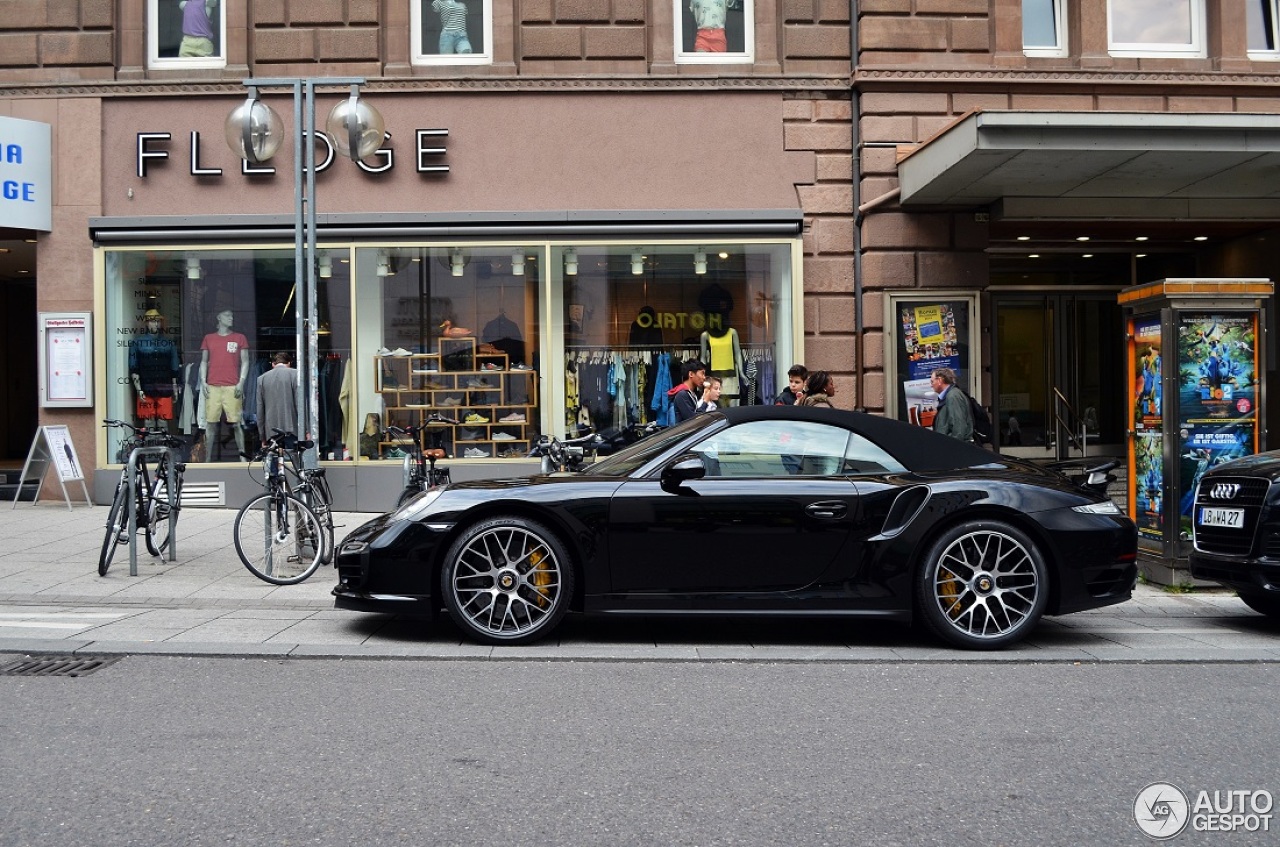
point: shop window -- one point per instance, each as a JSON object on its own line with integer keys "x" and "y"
{"x": 1042, "y": 28}
{"x": 714, "y": 31}
{"x": 186, "y": 33}
{"x": 1156, "y": 27}
{"x": 450, "y": 332}
{"x": 452, "y": 32}
{"x": 632, "y": 314}
{"x": 190, "y": 332}
{"x": 1264, "y": 37}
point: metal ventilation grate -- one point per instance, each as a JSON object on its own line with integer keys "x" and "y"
{"x": 204, "y": 494}
{"x": 56, "y": 665}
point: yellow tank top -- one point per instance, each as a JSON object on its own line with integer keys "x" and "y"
{"x": 721, "y": 347}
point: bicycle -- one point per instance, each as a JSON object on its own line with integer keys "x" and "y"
{"x": 150, "y": 498}
{"x": 568, "y": 455}
{"x": 420, "y": 470}
{"x": 285, "y": 533}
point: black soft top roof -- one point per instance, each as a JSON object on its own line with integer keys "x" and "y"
{"x": 918, "y": 449}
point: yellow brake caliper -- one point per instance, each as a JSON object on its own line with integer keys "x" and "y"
{"x": 541, "y": 576}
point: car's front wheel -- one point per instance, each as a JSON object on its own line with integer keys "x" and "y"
{"x": 1263, "y": 604}
{"x": 982, "y": 585}
{"x": 507, "y": 580}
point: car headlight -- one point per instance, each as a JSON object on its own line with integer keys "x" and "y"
{"x": 418, "y": 506}
{"x": 1106, "y": 507}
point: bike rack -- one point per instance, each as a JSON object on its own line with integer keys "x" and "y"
{"x": 171, "y": 488}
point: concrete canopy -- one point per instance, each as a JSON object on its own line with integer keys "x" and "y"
{"x": 1109, "y": 165}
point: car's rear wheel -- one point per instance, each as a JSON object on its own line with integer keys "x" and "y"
{"x": 507, "y": 580}
{"x": 982, "y": 585}
{"x": 1263, "y": 604}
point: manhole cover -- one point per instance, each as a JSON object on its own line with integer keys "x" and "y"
{"x": 56, "y": 665}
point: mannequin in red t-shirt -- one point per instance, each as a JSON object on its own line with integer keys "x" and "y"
{"x": 224, "y": 367}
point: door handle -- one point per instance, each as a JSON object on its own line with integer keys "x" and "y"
{"x": 829, "y": 510}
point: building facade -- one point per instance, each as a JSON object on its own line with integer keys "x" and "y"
{"x": 580, "y": 187}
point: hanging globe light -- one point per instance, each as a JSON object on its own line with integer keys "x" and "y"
{"x": 355, "y": 127}
{"x": 254, "y": 131}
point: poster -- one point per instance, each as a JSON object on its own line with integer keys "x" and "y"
{"x": 1217, "y": 378}
{"x": 65, "y": 344}
{"x": 932, "y": 335}
{"x": 1147, "y": 410}
{"x": 1149, "y": 484}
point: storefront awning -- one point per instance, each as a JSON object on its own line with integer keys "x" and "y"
{"x": 1101, "y": 165}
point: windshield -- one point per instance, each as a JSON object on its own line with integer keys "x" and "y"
{"x": 629, "y": 459}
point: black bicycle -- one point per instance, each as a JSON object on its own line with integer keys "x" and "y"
{"x": 568, "y": 455}
{"x": 285, "y": 533}
{"x": 155, "y": 512}
{"x": 420, "y": 470}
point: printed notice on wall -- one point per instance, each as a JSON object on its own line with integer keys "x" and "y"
{"x": 66, "y": 343}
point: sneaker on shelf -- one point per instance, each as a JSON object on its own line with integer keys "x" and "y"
{"x": 490, "y": 366}
{"x": 465, "y": 434}
{"x": 475, "y": 418}
{"x": 512, "y": 453}
{"x": 503, "y": 436}
{"x": 383, "y": 351}
{"x": 479, "y": 384}
{"x": 521, "y": 366}
{"x": 514, "y": 417}
{"x": 474, "y": 453}
{"x": 433, "y": 385}
{"x": 400, "y": 351}
{"x": 451, "y": 401}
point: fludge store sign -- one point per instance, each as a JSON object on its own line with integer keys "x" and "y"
{"x": 429, "y": 151}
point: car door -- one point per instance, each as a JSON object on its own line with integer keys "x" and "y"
{"x": 772, "y": 513}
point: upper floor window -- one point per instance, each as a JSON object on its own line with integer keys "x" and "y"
{"x": 186, "y": 33}
{"x": 452, "y": 32}
{"x": 1042, "y": 28}
{"x": 1262, "y": 22}
{"x": 1156, "y": 27}
{"x": 714, "y": 31}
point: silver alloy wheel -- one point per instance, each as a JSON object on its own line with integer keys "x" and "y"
{"x": 507, "y": 582}
{"x": 986, "y": 584}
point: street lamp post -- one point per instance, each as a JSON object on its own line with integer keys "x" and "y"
{"x": 254, "y": 132}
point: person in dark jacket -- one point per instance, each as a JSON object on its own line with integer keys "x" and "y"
{"x": 687, "y": 392}
{"x": 796, "y": 376}
{"x": 953, "y": 418}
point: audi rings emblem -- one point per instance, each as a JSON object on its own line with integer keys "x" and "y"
{"x": 1224, "y": 491}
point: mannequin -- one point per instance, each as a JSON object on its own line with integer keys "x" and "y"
{"x": 453, "y": 26}
{"x": 722, "y": 352}
{"x": 224, "y": 367}
{"x": 153, "y": 370}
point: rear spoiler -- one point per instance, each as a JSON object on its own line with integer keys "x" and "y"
{"x": 1093, "y": 478}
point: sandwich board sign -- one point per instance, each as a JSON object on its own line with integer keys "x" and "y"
{"x": 52, "y": 447}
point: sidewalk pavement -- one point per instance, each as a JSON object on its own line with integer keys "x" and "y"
{"x": 52, "y": 601}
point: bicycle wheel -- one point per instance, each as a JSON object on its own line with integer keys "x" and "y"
{"x": 279, "y": 538}
{"x": 317, "y": 497}
{"x": 117, "y": 524}
{"x": 158, "y": 522}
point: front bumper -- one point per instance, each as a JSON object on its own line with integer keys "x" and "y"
{"x": 1251, "y": 575}
{"x": 386, "y": 566}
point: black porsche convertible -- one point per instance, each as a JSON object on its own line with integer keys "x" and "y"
{"x": 760, "y": 510}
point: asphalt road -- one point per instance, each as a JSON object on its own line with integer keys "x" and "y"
{"x": 159, "y": 750}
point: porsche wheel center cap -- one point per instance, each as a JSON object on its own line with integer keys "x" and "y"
{"x": 506, "y": 580}
{"x": 984, "y": 583}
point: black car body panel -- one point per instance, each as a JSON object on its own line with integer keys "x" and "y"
{"x": 845, "y": 543}
{"x": 1247, "y": 557}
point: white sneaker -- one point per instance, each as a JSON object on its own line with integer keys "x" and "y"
{"x": 514, "y": 417}
{"x": 383, "y": 351}
{"x": 474, "y": 453}
{"x": 502, "y": 436}
{"x": 451, "y": 401}
{"x": 400, "y": 351}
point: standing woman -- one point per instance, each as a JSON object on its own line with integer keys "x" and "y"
{"x": 818, "y": 390}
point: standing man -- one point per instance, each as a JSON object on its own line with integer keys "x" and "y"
{"x": 197, "y": 28}
{"x": 686, "y": 393}
{"x": 224, "y": 366}
{"x": 953, "y": 418}
{"x": 278, "y": 397}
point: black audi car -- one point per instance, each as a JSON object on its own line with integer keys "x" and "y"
{"x": 1235, "y": 530}
{"x": 777, "y": 510}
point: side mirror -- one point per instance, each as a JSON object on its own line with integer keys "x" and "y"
{"x": 684, "y": 468}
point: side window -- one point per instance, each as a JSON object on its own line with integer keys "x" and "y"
{"x": 775, "y": 448}
{"x": 1172, "y": 28}
{"x": 864, "y": 457}
{"x": 1262, "y": 25}
{"x": 1042, "y": 28}
{"x": 714, "y": 31}
{"x": 451, "y": 32}
{"x": 186, "y": 33}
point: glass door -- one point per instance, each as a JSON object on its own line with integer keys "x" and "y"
{"x": 1058, "y": 374}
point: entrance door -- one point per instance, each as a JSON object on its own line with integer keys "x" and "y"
{"x": 1059, "y": 373}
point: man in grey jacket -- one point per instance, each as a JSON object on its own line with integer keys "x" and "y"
{"x": 278, "y": 398}
{"x": 953, "y": 417}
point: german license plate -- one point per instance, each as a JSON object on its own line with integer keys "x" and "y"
{"x": 1230, "y": 518}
